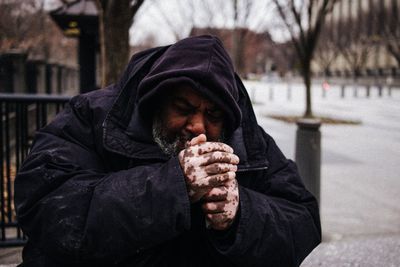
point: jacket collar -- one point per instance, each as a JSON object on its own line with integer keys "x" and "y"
{"x": 118, "y": 137}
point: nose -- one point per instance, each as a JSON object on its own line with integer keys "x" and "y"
{"x": 196, "y": 124}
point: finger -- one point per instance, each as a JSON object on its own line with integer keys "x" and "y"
{"x": 213, "y": 207}
{"x": 195, "y": 196}
{"x": 198, "y": 140}
{"x": 195, "y": 174}
{"x": 210, "y": 181}
{"x": 217, "y": 168}
{"x": 212, "y": 157}
{"x": 232, "y": 187}
{"x": 216, "y": 194}
{"x": 219, "y": 221}
{"x": 220, "y": 179}
{"x": 219, "y": 156}
{"x": 207, "y": 147}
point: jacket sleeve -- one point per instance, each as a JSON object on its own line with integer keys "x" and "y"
{"x": 75, "y": 210}
{"x": 279, "y": 221}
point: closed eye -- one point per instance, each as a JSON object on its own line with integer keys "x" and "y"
{"x": 183, "y": 107}
{"x": 215, "y": 115}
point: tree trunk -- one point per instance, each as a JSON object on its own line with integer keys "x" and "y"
{"x": 102, "y": 46}
{"x": 307, "y": 83}
{"x": 238, "y": 51}
{"x": 395, "y": 53}
{"x": 117, "y": 21}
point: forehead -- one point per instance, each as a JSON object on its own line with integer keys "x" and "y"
{"x": 190, "y": 95}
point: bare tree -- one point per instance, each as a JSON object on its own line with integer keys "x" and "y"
{"x": 17, "y": 19}
{"x": 356, "y": 53}
{"x": 327, "y": 49}
{"x": 26, "y": 26}
{"x": 115, "y": 20}
{"x": 215, "y": 17}
{"x": 304, "y": 20}
{"x": 391, "y": 31}
{"x": 248, "y": 14}
{"x": 359, "y": 40}
{"x": 189, "y": 14}
{"x": 244, "y": 14}
{"x": 326, "y": 54}
{"x": 183, "y": 19}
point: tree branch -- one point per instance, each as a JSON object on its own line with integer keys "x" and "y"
{"x": 134, "y": 8}
{"x": 289, "y": 27}
{"x": 297, "y": 18}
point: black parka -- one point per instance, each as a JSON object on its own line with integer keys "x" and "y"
{"x": 96, "y": 191}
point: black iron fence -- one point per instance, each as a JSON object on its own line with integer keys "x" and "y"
{"x": 20, "y": 117}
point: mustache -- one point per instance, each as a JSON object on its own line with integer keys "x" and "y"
{"x": 169, "y": 144}
{"x": 186, "y": 136}
{"x": 172, "y": 143}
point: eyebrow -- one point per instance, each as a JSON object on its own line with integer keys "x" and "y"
{"x": 184, "y": 101}
{"x": 212, "y": 107}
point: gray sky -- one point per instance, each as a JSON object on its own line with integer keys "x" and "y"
{"x": 165, "y": 21}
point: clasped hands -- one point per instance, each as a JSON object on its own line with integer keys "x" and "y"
{"x": 210, "y": 174}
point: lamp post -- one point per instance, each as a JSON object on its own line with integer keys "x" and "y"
{"x": 79, "y": 19}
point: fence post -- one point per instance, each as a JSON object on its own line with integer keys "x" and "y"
{"x": 253, "y": 95}
{"x": 379, "y": 90}
{"x": 271, "y": 93}
{"x": 355, "y": 91}
{"x": 342, "y": 91}
{"x": 308, "y": 154}
{"x": 289, "y": 91}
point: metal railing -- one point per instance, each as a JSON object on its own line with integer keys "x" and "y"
{"x": 20, "y": 117}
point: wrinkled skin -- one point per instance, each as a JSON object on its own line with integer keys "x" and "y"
{"x": 221, "y": 205}
{"x": 210, "y": 173}
{"x": 185, "y": 114}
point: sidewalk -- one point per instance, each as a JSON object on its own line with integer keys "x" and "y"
{"x": 10, "y": 257}
{"x": 365, "y": 251}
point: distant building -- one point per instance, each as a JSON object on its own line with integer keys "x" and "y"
{"x": 356, "y": 37}
{"x": 259, "y": 54}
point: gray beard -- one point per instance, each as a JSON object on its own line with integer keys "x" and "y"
{"x": 170, "y": 147}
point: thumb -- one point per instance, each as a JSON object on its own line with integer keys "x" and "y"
{"x": 198, "y": 140}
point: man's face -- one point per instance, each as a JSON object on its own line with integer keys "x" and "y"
{"x": 185, "y": 114}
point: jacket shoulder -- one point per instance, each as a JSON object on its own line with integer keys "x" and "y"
{"x": 101, "y": 97}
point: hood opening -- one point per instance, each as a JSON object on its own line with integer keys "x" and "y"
{"x": 201, "y": 62}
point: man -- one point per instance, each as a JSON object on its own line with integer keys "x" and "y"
{"x": 166, "y": 168}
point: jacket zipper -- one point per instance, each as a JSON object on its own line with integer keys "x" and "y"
{"x": 252, "y": 169}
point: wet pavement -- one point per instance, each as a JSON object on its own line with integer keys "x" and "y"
{"x": 9, "y": 257}
{"x": 364, "y": 251}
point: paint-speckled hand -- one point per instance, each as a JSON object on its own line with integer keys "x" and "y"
{"x": 206, "y": 165}
{"x": 221, "y": 205}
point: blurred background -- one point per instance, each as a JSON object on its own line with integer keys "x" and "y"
{"x": 337, "y": 61}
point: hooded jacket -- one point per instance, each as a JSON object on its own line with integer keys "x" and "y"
{"x": 96, "y": 190}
